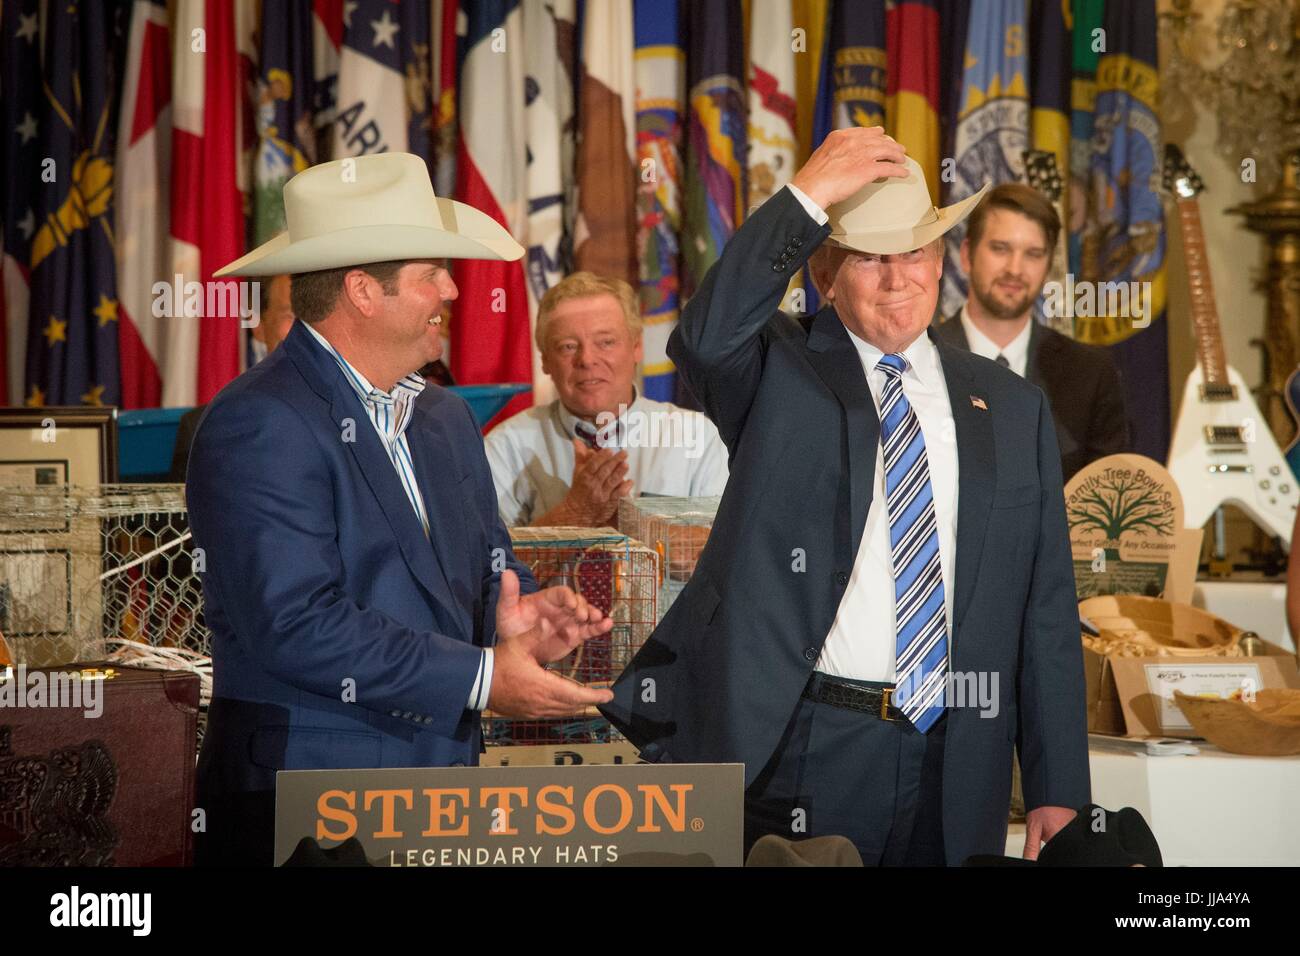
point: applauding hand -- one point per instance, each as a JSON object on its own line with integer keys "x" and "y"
{"x": 533, "y": 631}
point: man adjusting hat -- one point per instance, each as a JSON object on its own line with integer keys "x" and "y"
{"x": 885, "y": 606}
{"x": 351, "y": 545}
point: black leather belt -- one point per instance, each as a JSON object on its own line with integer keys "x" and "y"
{"x": 876, "y": 701}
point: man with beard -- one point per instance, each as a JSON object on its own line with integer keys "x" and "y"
{"x": 1006, "y": 254}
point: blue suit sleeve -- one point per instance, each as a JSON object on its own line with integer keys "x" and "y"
{"x": 716, "y": 345}
{"x": 261, "y": 504}
{"x": 1052, "y": 736}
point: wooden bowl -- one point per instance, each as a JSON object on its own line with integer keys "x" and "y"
{"x": 1269, "y": 726}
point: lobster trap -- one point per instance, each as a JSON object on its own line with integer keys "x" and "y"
{"x": 99, "y": 573}
{"x": 618, "y": 575}
{"x": 676, "y": 529}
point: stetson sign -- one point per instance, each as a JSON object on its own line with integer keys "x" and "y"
{"x": 639, "y": 815}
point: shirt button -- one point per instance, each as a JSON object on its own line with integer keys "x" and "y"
{"x": 810, "y": 654}
{"x": 778, "y": 266}
{"x": 394, "y": 713}
{"x": 841, "y": 578}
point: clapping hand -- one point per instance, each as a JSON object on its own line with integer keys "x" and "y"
{"x": 532, "y": 631}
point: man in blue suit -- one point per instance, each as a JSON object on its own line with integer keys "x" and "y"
{"x": 886, "y": 602}
{"x": 363, "y": 598}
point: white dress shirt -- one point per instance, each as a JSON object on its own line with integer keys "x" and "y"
{"x": 810, "y": 207}
{"x": 390, "y": 412}
{"x": 1016, "y": 351}
{"x": 670, "y": 451}
{"x": 861, "y": 644}
{"x": 862, "y": 641}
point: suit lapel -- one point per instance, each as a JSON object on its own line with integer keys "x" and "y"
{"x": 433, "y": 468}
{"x": 976, "y": 470}
{"x": 836, "y": 361}
{"x": 377, "y": 469}
{"x": 323, "y": 376}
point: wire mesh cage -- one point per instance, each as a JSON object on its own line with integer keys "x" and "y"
{"x": 676, "y": 529}
{"x": 615, "y": 573}
{"x": 101, "y": 573}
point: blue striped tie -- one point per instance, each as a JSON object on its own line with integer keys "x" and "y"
{"x": 922, "y": 641}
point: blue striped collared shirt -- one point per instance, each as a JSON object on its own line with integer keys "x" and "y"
{"x": 390, "y": 413}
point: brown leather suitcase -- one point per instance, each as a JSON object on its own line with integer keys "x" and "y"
{"x": 111, "y": 790}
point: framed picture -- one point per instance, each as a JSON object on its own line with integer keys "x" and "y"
{"x": 37, "y": 445}
{"x": 50, "y": 554}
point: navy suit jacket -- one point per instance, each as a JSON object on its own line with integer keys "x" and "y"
{"x": 341, "y": 635}
{"x": 720, "y": 677}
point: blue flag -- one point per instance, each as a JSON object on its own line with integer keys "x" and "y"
{"x": 1122, "y": 243}
{"x": 286, "y": 139}
{"x": 384, "y": 80}
{"x": 22, "y": 112}
{"x": 857, "y": 55}
{"x": 660, "y": 101}
{"x": 72, "y": 356}
{"x": 992, "y": 119}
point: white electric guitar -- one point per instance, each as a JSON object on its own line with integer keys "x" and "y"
{"x": 1223, "y": 450}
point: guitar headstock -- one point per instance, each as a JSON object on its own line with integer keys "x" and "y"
{"x": 1042, "y": 173}
{"x": 1178, "y": 176}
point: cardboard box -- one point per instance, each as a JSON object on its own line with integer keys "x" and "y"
{"x": 1133, "y": 696}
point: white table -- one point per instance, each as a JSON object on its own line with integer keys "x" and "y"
{"x": 1211, "y": 809}
{"x": 1215, "y": 808}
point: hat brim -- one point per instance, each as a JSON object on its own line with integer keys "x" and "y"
{"x": 889, "y": 242}
{"x": 471, "y": 235}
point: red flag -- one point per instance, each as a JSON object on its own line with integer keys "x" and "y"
{"x": 490, "y": 334}
{"x": 912, "y": 91}
{"x": 207, "y": 208}
{"x": 143, "y": 199}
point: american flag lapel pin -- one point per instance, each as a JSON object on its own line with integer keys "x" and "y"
{"x": 978, "y": 402}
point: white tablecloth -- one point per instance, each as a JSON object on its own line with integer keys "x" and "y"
{"x": 1213, "y": 809}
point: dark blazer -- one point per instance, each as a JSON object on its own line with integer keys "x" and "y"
{"x": 341, "y": 636}
{"x": 1082, "y": 386}
{"x": 185, "y": 429}
{"x": 719, "y": 679}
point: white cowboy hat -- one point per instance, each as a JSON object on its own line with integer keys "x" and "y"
{"x": 895, "y": 215}
{"x": 372, "y": 209}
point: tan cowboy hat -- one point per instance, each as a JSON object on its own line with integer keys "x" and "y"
{"x": 895, "y": 215}
{"x": 772, "y": 850}
{"x": 372, "y": 209}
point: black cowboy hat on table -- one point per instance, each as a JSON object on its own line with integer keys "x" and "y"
{"x": 1095, "y": 837}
